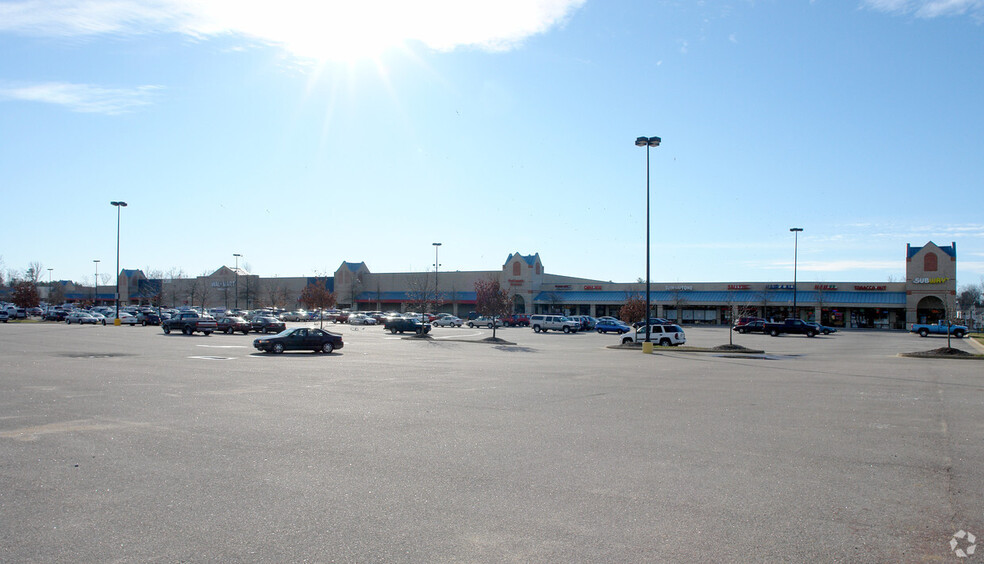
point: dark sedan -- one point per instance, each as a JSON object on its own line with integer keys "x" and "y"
{"x": 401, "y": 324}
{"x": 267, "y": 325}
{"x": 300, "y": 339}
{"x": 230, "y": 325}
{"x": 754, "y": 326}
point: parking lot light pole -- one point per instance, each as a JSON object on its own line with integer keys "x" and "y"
{"x": 437, "y": 266}
{"x": 237, "y": 255}
{"x": 647, "y": 142}
{"x": 95, "y": 285}
{"x": 796, "y": 232}
{"x": 118, "y": 205}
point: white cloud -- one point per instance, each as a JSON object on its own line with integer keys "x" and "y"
{"x": 325, "y": 29}
{"x": 930, "y": 8}
{"x": 83, "y": 98}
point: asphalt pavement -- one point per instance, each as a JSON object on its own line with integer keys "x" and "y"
{"x": 122, "y": 444}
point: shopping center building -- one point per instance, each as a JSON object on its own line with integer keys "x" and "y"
{"x": 927, "y": 294}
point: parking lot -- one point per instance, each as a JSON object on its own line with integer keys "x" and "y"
{"x": 125, "y": 444}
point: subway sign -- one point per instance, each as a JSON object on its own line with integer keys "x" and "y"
{"x": 930, "y": 280}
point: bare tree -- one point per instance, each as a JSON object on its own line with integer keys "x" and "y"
{"x": 34, "y": 271}
{"x": 492, "y": 300}
{"x": 317, "y": 296}
{"x": 634, "y": 309}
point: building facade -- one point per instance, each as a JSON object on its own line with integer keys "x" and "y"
{"x": 927, "y": 294}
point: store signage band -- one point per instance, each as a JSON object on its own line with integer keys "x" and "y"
{"x": 870, "y": 288}
{"x": 825, "y": 287}
{"x": 739, "y": 287}
{"x": 592, "y": 287}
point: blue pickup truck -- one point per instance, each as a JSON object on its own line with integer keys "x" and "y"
{"x": 938, "y": 328}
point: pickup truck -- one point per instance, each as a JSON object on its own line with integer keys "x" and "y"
{"x": 791, "y": 326}
{"x": 189, "y": 322}
{"x": 938, "y": 328}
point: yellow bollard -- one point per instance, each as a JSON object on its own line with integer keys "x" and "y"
{"x": 647, "y": 347}
{"x": 117, "y": 323}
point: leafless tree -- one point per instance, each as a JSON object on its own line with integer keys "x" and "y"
{"x": 492, "y": 300}
{"x": 34, "y": 271}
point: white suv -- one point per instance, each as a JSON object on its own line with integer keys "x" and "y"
{"x": 662, "y": 335}
{"x": 555, "y": 322}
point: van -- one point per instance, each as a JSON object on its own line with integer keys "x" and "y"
{"x": 556, "y": 322}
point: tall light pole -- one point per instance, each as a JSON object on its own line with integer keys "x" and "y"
{"x": 49, "y": 276}
{"x": 95, "y": 285}
{"x": 647, "y": 142}
{"x": 118, "y": 205}
{"x": 436, "y": 266}
{"x": 796, "y": 232}
{"x": 237, "y": 255}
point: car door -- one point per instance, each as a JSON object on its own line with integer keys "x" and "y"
{"x": 296, "y": 340}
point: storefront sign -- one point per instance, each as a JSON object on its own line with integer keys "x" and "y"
{"x": 592, "y": 287}
{"x": 562, "y": 287}
{"x": 930, "y": 280}
{"x": 779, "y": 287}
{"x": 825, "y": 287}
{"x": 513, "y": 282}
{"x": 224, "y": 284}
{"x": 870, "y": 288}
{"x": 679, "y": 287}
{"x": 739, "y": 287}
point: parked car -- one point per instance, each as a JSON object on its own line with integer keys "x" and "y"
{"x": 516, "y": 320}
{"x": 188, "y": 322}
{"x": 545, "y": 323}
{"x": 361, "y": 319}
{"x": 149, "y": 318}
{"x": 826, "y": 330}
{"x": 53, "y": 315}
{"x": 81, "y": 318}
{"x": 341, "y": 317}
{"x": 230, "y": 325}
{"x": 4, "y": 316}
{"x": 300, "y": 339}
{"x": 448, "y": 321}
{"x": 752, "y": 326}
{"x": 939, "y": 328}
{"x": 652, "y": 321}
{"x": 664, "y": 335}
{"x": 791, "y": 326}
{"x": 267, "y": 324}
{"x": 404, "y": 324}
{"x": 125, "y": 319}
{"x": 35, "y": 311}
{"x": 607, "y": 326}
{"x": 484, "y": 322}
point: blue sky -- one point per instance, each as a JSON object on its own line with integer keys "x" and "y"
{"x": 301, "y": 134}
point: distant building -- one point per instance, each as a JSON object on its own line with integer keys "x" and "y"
{"x": 928, "y": 293}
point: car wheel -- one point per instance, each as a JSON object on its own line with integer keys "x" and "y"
{"x": 600, "y": 331}
{"x": 104, "y": 322}
{"x": 811, "y": 333}
{"x": 187, "y": 330}
{"x": 536, "y": 328}
{"x": 958, "y": 334}
{"x": 245, "y": 331}
{"x": 68, "y": 322}
{"x": 489, "y": 325}
{"x": 567, "y": 329}
{"x": 278, "y": 348}
{"x": 393, "y": 330}
{"x": 774, "y": 332}
{"x": 167, "y": 330}
{"x": 664, "y": 342}
{"x": 923, "y": 332}
{"x": 327, "y": 347}
{"x": 207, "y": 333}
{"x": 626, "y": 340}
{"x": 825, "y": 332}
